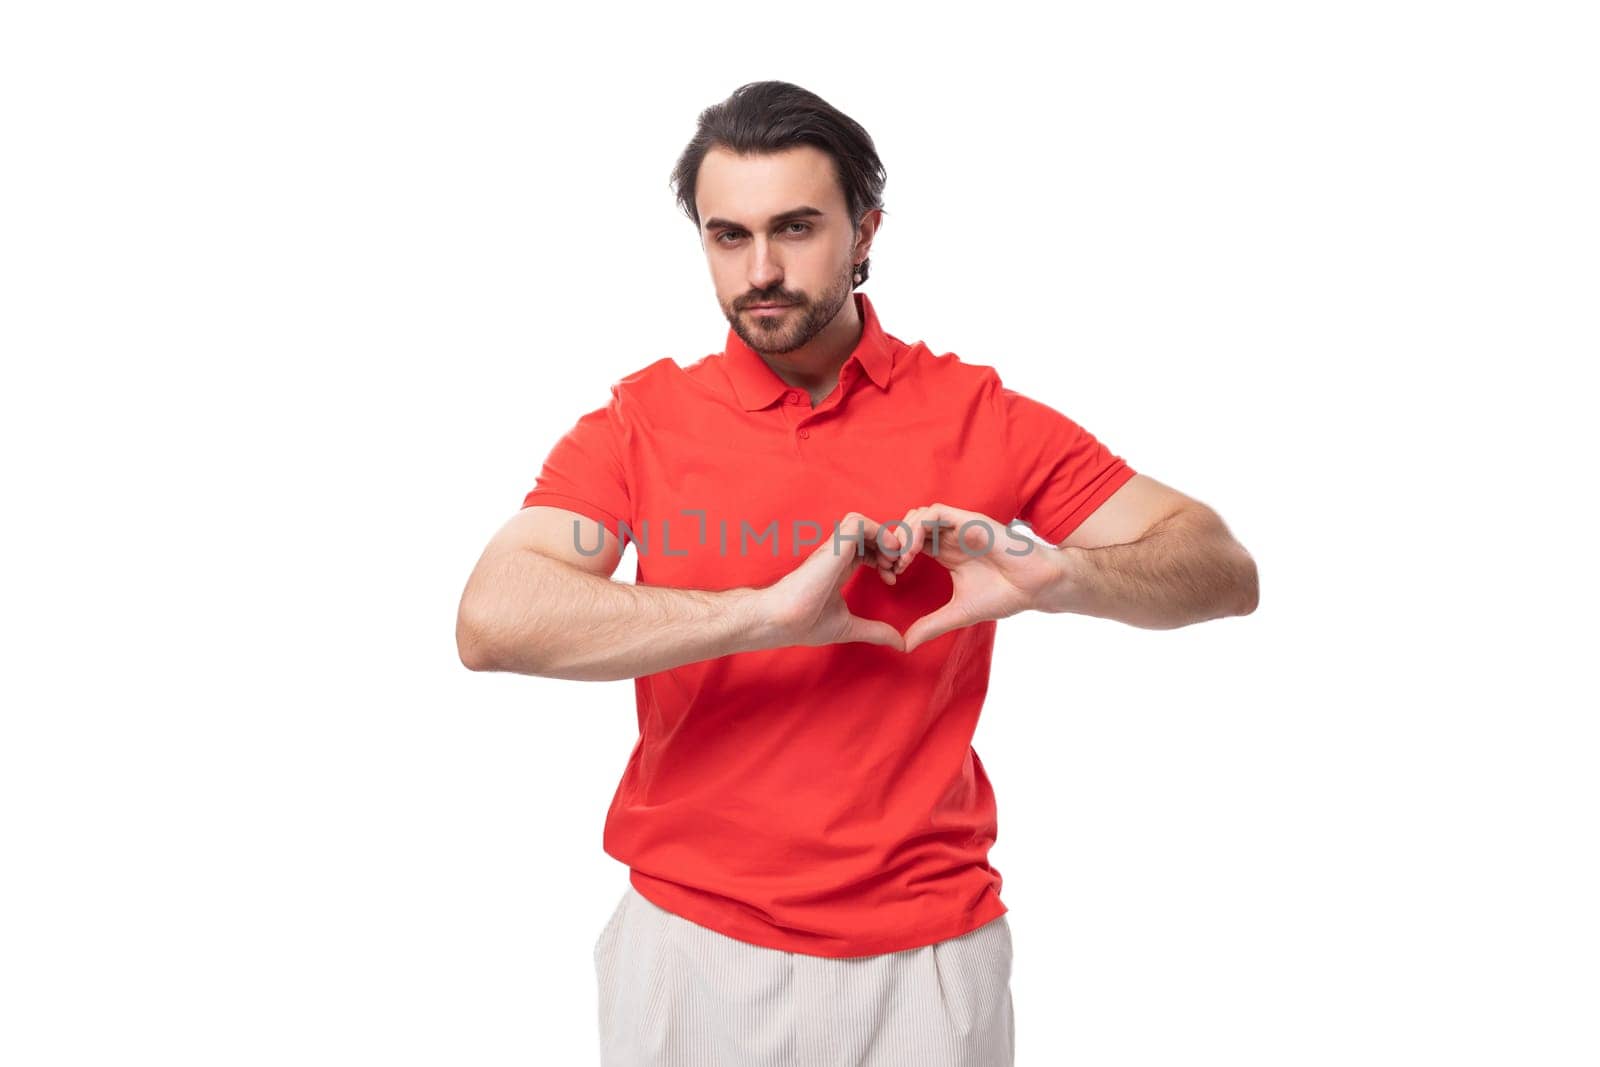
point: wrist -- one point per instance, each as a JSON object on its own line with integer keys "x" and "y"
{"x": 1065, "y": 591}
{"x": 755, "y": 623}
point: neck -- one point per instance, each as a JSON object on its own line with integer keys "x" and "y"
{"x": 814, "y": 366}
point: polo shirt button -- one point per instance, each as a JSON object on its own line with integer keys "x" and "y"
{"x": 792, "y": 398}
{"x": 805, "y": 433}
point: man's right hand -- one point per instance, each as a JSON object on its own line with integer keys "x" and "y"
{"x": 807, "y": 606}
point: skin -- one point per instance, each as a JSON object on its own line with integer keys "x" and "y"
{"x": 756, "y": 256}
{"x": 1149, "y": 556}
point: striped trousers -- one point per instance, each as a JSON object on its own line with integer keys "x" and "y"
{"x": 676, "y": 994}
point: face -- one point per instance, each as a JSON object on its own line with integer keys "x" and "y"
{"x": 776, "y": 229}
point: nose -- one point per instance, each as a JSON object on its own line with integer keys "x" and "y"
{"x": 764, "y": 270}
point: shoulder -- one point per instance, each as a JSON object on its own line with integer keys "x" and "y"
{"x": 651, "y": 376}
{"x": 960, "y": 385}
{"x": 947, "y": 374}
{"x": 646, "y": 388}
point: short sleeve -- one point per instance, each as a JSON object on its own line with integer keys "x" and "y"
{"x": 584, "y": 471}
{"x": 1063, "y": 472}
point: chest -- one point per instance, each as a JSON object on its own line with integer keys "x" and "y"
{"x": 725, "y": 498}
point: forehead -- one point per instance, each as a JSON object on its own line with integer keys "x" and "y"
{"x": 751, "y": 189}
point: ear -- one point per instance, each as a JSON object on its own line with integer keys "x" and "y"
{"x": 867, "y": 229}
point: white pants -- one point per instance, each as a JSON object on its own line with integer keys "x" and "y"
{"x": 676, "y": 994}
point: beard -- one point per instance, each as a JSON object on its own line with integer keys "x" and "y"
{"x": 795, "y": 327}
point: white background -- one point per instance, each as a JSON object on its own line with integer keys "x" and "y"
{"x": 297, "y": 296}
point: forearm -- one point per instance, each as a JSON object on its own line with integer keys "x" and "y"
{"x": 1188, "y": 568}
{"x": 531, "y": 614}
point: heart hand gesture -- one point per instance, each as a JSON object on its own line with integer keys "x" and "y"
{"x": 807, "y": 606}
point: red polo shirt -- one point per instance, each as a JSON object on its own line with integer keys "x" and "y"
{"x": 817, "y": 800}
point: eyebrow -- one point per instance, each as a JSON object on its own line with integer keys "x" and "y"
{"x": 776, "y": 220}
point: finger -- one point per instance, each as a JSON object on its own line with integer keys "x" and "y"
{"x": 923, "y": 534}
{"x": 837, "y": 563}
{"x": 858, "y": 537}
{"x": 889, "y": 541}
{"x": 874, "y": 632}
{"x": 947, "y": 523}
{"x": 843, "y": 543}
{"x": 914, "y": 535}
{"x": 877, "y": 542}
{"x": 896, "y": 538}
{"x": 888, "y": 545}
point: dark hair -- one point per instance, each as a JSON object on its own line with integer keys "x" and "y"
{"x": 770, "y": 116}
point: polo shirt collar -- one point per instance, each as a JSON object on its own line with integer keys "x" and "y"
{"x": 757, "y": 385}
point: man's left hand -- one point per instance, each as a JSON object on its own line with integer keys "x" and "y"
{"x": 995, "y": 573}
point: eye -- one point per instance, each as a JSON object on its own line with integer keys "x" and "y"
{"x": 723, "y": 237}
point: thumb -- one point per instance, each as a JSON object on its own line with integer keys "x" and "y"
{"x": 874, "y": 632}
{"x": 934, "y": 624}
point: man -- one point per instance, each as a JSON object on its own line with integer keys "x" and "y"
{"x": 804, "y": 820}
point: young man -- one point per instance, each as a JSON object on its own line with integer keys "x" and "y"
{"x": 804, "y": 820}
